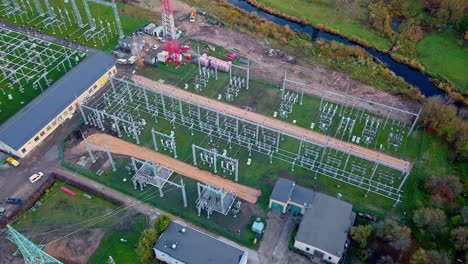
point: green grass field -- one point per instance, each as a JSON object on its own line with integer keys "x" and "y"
{"x": 72, "y": 31}
{"x": 61, "y": 213}
{"x": 441, "y": 54}
{"x": 20, "y": 58}
{"x": 325, "y": 12}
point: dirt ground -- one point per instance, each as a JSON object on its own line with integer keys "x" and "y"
{"x": 268, "y": 68}
{"x": 76, "y": 249}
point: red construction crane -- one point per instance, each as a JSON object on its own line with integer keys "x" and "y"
{"x": 171, "y": 44}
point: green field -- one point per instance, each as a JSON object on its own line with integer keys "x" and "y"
{"x": 50, "y": 56}
{"x": 325, "y": 12}
{"x": 61, "y": 214}
{"x": 71, "y": 31}
{"x": 441, "y": 54}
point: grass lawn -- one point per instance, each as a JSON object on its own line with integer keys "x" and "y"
{"x": 59, "y": 210}
{"x": 121, "y": 252}
{"x": 72, "y": 31}
{"x": 324, "y": 12}
{"x": 440, "y": 54}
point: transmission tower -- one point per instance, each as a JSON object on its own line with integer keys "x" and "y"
{"x": 170, "y": 34}
{"x": 32, "y": 253}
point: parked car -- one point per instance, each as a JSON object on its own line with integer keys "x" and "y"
{"x": 155, "y": 47}
{"x": 35, "y": 177}
{"x": 201, "y": 12}
{"x": 13, "y": 200}
{"x": 12, "y": 161}
{"x": 3, "y": 211}
{"x": 368, "y": 216}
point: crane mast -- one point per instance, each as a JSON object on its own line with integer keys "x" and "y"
{"x": 170, "y": 34}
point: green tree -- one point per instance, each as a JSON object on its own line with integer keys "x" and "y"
{"x": 161, "y": 223}
{"x": 430, "y": 219}
{"x": 460, "y": 238}
{"x": 145, "y": 244}
{"x": 419, "y": 257}
{"x": 361, "y": 234}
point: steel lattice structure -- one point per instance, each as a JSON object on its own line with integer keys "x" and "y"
{"x": 170, "y": 33}
{"x": 125, "y": 102}
{"x": 32, "y": 253}
{"x": 27, "y": 60}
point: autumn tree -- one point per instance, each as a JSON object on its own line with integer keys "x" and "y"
{"x": 145, "y": 244}
{"x": 398, "y": 237}
{"x": 437, "y": 257}
{"x": 381, "y": 19}
{"x": 460, "y": 238}
{"x": 436, "y": 115}
{"x": 430, "y": 219}
{"x": 385, "y": 260}
{"x": 443, "y": 189}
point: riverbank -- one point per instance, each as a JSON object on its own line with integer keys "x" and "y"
{"x": 446, "y": 70}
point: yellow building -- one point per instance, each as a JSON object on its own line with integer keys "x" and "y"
{"x": 31, "y": 125}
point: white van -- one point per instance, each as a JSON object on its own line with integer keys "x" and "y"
{"x": 35, "y": 177}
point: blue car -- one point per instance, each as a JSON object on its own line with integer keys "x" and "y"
{"x": 14, "y": 200}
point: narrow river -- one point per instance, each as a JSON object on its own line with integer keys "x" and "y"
{"x": 412, "y": 76}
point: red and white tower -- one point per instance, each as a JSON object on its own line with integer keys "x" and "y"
{"x": 170, "y": 35}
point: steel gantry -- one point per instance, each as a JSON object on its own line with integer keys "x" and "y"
{"x": 147, "y": 172}
{"x": 364, "y": 168}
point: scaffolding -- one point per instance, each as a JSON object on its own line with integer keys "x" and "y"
{"x": 319, "y": 158}
{"x": 147, "y": 172}
{"x": 213, "y": 199}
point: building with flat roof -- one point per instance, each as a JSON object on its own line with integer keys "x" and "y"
{"x": 180, "y": 244}
{"x": 31, "y": 125}
{"x": 326, "y": 221}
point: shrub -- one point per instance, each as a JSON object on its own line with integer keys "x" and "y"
{"x": 161, "y": 223}
{"x": 145, "y": 244}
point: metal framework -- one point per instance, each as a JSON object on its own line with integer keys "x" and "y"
{"x": 289, "y": 97}
{"x": 60, "y": 18}
{"x": 213, "y": 199}
{"x": 32, "y": 253}
{"x": 239, "y": 77}
{"x": 147, "y": 172}
{"x": 368, "y": 173}
{"x": 167, "y": 142}
{"x": 217, "y": 161}
{"x": 29, "y": 61}
{"x": 90, "y": 147}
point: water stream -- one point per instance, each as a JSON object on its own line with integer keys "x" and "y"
{"x": 412, "y": 76}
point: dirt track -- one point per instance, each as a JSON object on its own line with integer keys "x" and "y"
{"x": 275, "y": 124}
{"x": 119, "y": 146}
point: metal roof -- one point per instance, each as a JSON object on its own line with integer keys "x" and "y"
{"x": 326, "y": 223}
{"x": 286, "y": 190}
{"x": 21, "y": 127}
{"x": 195, "y": 247}
{"x": 282, "y": 190}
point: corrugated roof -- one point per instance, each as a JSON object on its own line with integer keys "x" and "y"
{"x": 195, "y": 247}
{"x": 326, "y": 223}
{"x": 20, "y": 128}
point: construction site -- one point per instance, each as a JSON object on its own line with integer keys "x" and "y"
{"x": 188, "y": 123}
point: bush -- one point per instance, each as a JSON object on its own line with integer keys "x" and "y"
{"x": 145, "y": 245}
{"x": 161, "y": 223}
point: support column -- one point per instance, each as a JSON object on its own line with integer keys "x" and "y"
{"x": 184, "y": 195}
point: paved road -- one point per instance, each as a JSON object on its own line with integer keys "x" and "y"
{"x": 275, "y": 124}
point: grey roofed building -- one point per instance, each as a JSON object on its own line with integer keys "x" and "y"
{"x": 286, "y": 190}
{"x": 17, "y": 130}
{"x": 195, "y": 247}
{"x": 282, "y": 190}
{"x": 326, "y": 223}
